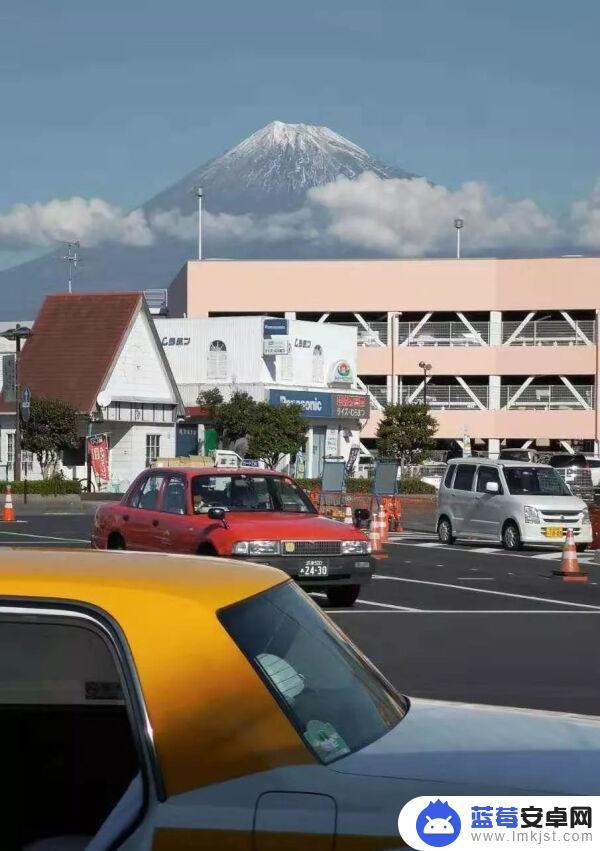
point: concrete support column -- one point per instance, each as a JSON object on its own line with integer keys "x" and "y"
{"x": 494, "y": 447}
{"x": 309, "y": 453}
{"x": 290, "y": 314}
{"x": 494, "y": 393}
{"x": 495, "y": 328}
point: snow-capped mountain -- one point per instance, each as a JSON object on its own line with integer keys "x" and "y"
{"x": 271, "y": 171}
{"x": 268, "y": 172}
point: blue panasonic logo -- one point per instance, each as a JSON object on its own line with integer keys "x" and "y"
{"x": 312, "y": 404}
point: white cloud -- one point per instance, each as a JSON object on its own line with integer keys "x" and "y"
{"x": 412, "y": 218}
{"x": 89, "y": 220}
{"x": 402, "y": 218}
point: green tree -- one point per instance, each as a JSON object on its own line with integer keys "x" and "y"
{"x": 53, "y": 425}
{"x": 276, "y": 432}
{"x": 212, "y": 401}
{"x": 405, "y": 432}
{"x": 233, "y": 419}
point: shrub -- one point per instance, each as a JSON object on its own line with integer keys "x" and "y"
{"x": 46, "y": 487}
{"x": 411, "y": 484}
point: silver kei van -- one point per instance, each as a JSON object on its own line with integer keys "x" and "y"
{"x": 512, "y": 502}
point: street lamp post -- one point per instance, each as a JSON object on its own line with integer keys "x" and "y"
{"x": 17, "y": 334}
{"x": 426, "y": 367}
{"x": 458, "y": 224}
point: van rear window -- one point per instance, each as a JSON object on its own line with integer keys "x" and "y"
{"x": 465, "y": 473}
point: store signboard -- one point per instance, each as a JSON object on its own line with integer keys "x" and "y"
{"x": 271, "y": 348}
{"x": 275, "y": 327}
{"x": 336, "y": 406}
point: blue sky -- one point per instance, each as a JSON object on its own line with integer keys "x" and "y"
{"x": 118, "y": 99}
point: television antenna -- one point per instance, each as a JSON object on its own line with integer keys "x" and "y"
{"x": 72, "y": 259}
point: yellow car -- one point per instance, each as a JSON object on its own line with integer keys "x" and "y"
{"x": 174, "y": 703}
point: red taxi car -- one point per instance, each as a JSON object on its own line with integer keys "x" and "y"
{"x": 244, "y": 513}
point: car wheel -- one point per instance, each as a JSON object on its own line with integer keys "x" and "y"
{"x": 581, "y": 548}
{"x": 344, "y": 595}
{"x": 511, "y": 537}
{"x": 445, "y": 531}
{"x": 115, "y": 542}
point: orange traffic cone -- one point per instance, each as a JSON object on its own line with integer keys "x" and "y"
{"x": 570, "y": 570}
{"x": 374, "y": 535}
{"x": 8, "y": 514}
{"x": 384, "y": 530}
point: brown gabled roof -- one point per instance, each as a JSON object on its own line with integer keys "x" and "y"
{"x": 73, "y": 346}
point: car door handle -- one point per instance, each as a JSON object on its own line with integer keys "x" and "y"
{"x": 155, "y": 522}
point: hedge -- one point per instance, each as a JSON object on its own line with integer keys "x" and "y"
{"x": 408, "y": 484}
{"x": 45, "y": 487}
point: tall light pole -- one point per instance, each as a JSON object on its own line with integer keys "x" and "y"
{"x": 426, "y": 367}
{"x": 458, "y": 224}
{"x": 198, "y": 193}
{"x": 16, "y": 334}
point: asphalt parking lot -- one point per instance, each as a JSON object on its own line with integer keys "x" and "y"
{"x": 466, "y": 623}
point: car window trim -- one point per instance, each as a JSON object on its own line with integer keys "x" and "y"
{"x": 138, "y": 485}
{"x": 163, "y": 490}
{"x": 106, "y": 627}
{"x": 474, "y": 467}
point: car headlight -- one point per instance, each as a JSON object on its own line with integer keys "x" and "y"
{"x": 531, "y": 514}
{"x": 356, "y": 548}
{"x": 256, "y": 548}
{"x": 585, "y": 516}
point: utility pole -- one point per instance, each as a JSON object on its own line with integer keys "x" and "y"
{"x": 198, "y": 193}
{"x": 72, "y": 259}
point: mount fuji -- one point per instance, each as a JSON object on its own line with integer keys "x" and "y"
{"x": 269, "y": 172}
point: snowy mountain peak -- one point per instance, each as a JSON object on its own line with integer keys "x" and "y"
{"x": 272, "y": 170}
{"x": 299, "y": 137}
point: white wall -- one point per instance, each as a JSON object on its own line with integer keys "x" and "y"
{"x": 128, "y": 449}
{"x": 139, "y": 374}
{"x": 187, "y": 341}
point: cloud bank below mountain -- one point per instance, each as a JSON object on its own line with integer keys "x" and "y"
{"x": 388, "y": 216}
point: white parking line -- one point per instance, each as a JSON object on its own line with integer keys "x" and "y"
{"x": 45, "y": 537}
{"x": 371, "y": 603}
{"x": 486, "y": 591}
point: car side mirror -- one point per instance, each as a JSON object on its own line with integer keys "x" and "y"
{"x": 218, "y": 514}
{"x": 492, "y": 487}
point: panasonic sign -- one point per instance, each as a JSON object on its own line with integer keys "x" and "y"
{"x": 312, "y": 404}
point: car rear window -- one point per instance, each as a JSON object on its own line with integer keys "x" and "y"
{"x": 332, "y": 694}
{"x": 465, "y": 473}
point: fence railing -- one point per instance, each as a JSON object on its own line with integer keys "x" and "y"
{"x": 379, "y": 392}
{"x": 546, "y": 397}
{"x": 443, "y": 334}
{"x": 442, "y": 396}
{"x": 550, "y": 333}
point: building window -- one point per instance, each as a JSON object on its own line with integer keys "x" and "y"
{"x": 318, "y": 365}
{"x": 10, "y": 449}
{"x": 217, "y": 360}
{"x": 152, "y": 448}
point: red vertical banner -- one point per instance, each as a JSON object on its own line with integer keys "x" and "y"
{"x": 98, "y": 456}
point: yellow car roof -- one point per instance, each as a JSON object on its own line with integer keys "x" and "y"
{"x": 212, "y": 717}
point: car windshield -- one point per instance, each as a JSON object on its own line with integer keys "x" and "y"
{"x": 241, "y": 492}
{"x": 539, "y": 481}
{"x": 335, "y": 698}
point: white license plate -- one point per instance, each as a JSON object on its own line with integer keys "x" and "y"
{"x": 314, "y": 567}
